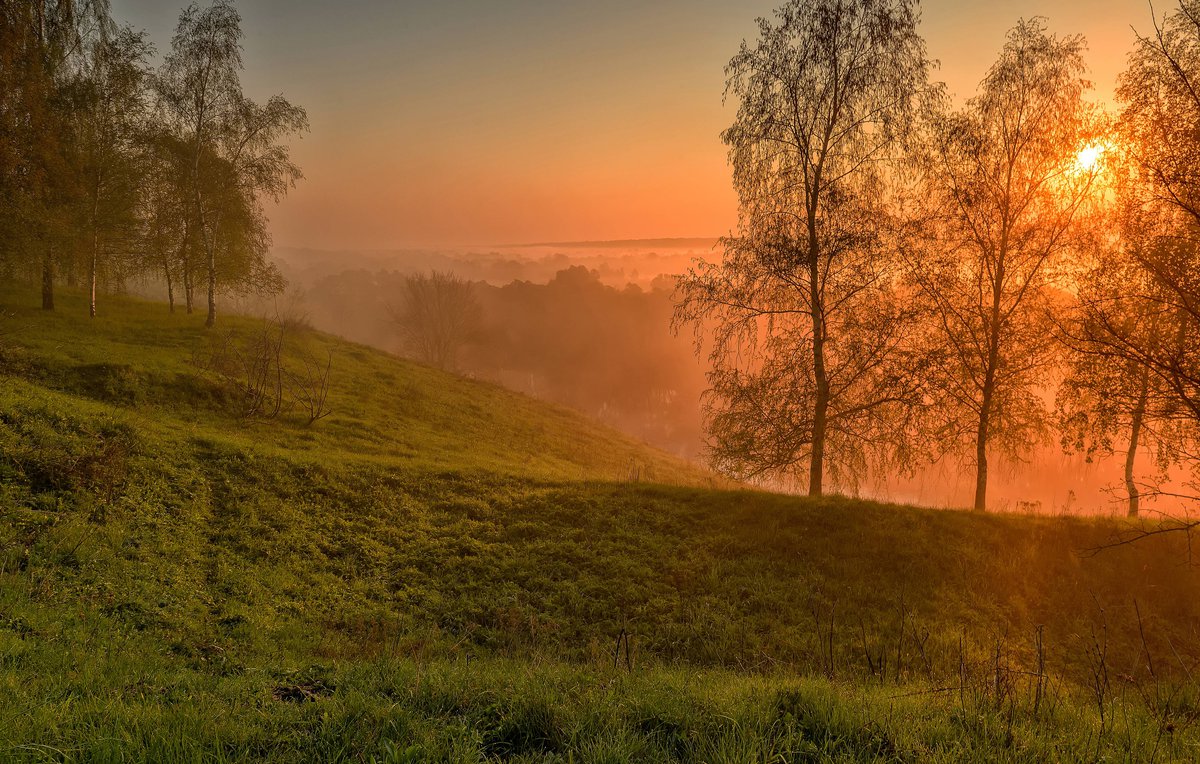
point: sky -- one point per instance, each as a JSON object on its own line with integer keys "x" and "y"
{"x": 475, "y": 123}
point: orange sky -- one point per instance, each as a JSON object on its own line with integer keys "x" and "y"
{"x": 477, "y": 122}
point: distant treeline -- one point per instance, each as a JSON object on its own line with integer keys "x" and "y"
{"x": 605, "y": 351}
{"x": 615, "y": 265}
{"x": 110, "y": 169}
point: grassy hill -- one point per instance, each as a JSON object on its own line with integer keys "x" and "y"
{"x": 442, "y": 570}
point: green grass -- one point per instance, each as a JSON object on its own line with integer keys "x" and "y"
{"x": 133, "y": 707}
{"x": 403, "y": 415}
{"x": 440, "y": 570}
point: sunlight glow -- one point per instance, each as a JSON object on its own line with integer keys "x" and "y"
{"x": 1089, "y": 158}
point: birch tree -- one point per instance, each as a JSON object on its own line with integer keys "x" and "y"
{"x": 1006, "y": 188}
{"x": 1111, "y": 402}
{"x": 236, "y": 153}
{"x": 110, "y": 111}
{"x": 809, "y": 337}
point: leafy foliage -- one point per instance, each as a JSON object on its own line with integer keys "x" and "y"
{"x": 801, "y": 372}
{"x": 1005, "y": 193}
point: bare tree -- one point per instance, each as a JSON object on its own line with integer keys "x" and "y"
{"x": 438, "y": 316}
{"x": 1006, "y": 188}
{"x": 809, "y": 337}
{"x": 309, "y": 385}
{"x": 251, "y": 365}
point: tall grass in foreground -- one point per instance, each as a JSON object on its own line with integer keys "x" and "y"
{"x": 133, "y": 707}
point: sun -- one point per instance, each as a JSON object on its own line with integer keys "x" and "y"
{"x": 1089, "y": 158}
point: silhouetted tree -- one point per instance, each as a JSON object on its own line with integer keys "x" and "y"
{"x": 438, "y": 315}
{"x": 1109, "y": 396}
{"x": 1146, "y": 326}
{"x": 810, "y": 359}
{"x": 1161, "y": 111}
{"x": 1005, "y": 188}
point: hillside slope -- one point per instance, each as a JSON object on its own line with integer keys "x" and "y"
{"x": 141, "y": 362}
{"x": 435, "y": 518}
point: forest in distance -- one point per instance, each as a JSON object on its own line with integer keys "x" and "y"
{"x": 590, "y": 337}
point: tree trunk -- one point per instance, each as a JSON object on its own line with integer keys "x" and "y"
{"x": 981, "y": 465}
{"x": 984, "y": 431}
{"x": 1135, "y": 433}
{"x": 170, "y": 286}
{"x": 93, "y": 268}
{"x": 816, "y": 467}
{"x": 212, "y": 289}
{"x": 95, "y": 243}
{"x": 816, "y": 305}
{"x": 186, "y": 259}
{"x": 187, "y": 288}
{"x": 48, "y": 279}
{"x": 988, "y": 394}
{"x": 206, "y": 235}
{"x": 92, "y": 306}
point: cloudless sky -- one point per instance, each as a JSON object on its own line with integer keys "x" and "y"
{"x": 477, "y": 122}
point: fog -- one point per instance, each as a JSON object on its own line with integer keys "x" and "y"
{"x": 589, "y": 328}
{"x": 589, "y": 325}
